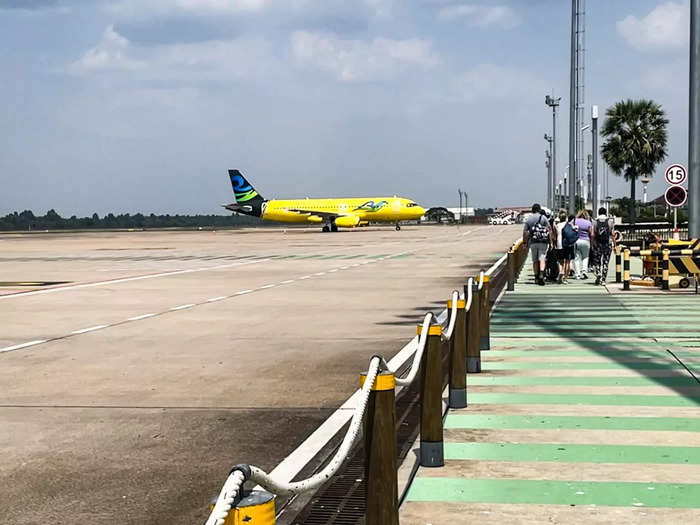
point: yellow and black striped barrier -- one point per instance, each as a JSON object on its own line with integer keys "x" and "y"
{"x": 618, "y": 265}
{"x": 626, "y": 270}
{"x": 664, "y": 271}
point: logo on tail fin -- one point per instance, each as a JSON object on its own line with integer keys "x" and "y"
{"x": 242, "y": 189}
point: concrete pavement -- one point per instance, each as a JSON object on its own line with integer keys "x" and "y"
{"x": 127, "y": 392}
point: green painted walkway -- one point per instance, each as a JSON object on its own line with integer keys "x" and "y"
{"x": 580, "y": 403}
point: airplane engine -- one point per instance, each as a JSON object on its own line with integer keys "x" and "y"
{"x": 347, "y": 221}
{"x": 314, "y": 218}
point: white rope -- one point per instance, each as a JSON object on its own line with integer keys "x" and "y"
{"x": 453, "y": 317}
{"x": 264, "y": 480}
{"x": 415, "y": 365}
{"x": 228, "y": 494}
{"x": 470, "y": 285}
{"x": 481, "y": 279}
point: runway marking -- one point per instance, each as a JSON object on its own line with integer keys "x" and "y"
{"x": 139, "y": 317}
{"x": 182, "y": 307}
{"x": 23, "y": 345}
{"x": 91, "y": 329}
{"x": 129, "y": 279}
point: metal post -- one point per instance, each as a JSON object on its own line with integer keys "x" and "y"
{"x": 473, "y": 331}
{"x": 573, "y": 103}
{"x": 510, "y": 264}
{"x": 554, "y": 144}
{"x": 626, "y": 270}
{"x": 460, "y": 205}
{"x": 594, "y": 155}
{"x": 548, "y": 165}
{"x": 432, "y": 453}
{"x": 380, "y": 453}
{"x": 484, "y": 317}
{"x": 618, "y": 265}
{"x": 694, "y": 125}
{"x": 664, "y": 271}
{"x": 458, "y": 357}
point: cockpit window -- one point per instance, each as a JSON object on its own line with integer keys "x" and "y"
{"x": 411, "y": 205}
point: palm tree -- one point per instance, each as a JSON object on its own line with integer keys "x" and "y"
{"x": 636, "y": 141}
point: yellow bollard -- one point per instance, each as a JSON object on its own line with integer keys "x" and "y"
{"x": 257, "y": 507}
{"x": 458, "y": 358}
{"x": 485, "y": 316}
{"x": 381, "y": 476}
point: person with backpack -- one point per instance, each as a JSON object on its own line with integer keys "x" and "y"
{"x": 582, "y": 250}
{"x": 537, "y": 233}
{"x": 566, "y": 240}
{"x": 604, "y": 241}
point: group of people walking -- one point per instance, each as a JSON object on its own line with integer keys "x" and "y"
{"x": 565, "y": 239}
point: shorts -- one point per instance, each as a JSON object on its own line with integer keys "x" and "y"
{"x": 565, "y": 254}
{"x": 538, "y": 250}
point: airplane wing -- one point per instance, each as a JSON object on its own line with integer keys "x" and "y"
{"x": 322, "y": 214}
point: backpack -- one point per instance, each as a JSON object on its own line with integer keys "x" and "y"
{"x": 569, "y": 236}
{"x": 602, "y": 232}
{"x": 539, "y": 231}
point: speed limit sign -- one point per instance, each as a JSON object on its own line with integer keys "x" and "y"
{"x": 676, "y": 174}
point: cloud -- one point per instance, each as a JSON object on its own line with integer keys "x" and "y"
{"x": 180, "y": 63}
{"x": 356, "y": 60}
{"x": 481, "y": 15}
{"x": 34, "y": 7}
{"x": 111, "y": 53}
{"x": 665, "y": 27}
{"x": 147, "y": 8}
{"x": 490, "y": 81}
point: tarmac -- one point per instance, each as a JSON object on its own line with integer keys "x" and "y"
{"x": 586, "y": 411}
{"x": 148, "y": 363}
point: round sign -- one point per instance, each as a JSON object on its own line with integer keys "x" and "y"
{"x": 676, "y": 174}
{"x": 676, "y": 196}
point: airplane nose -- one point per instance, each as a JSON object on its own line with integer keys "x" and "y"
{"x": 419, "y": 212}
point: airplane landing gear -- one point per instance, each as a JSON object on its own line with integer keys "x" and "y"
{"x": 334, "y": 228}
{"x": 325, "y": 229}
{"x": 398, "y": 227}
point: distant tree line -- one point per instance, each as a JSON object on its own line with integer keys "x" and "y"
{"x": 27, "y": 221}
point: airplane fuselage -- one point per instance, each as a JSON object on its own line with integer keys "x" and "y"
{"x": 350, "y": 211}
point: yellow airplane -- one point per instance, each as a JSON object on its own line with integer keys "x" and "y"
{"x": 333, "y": 213}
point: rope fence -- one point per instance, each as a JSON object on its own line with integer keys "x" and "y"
{"x": 465, "y": 334}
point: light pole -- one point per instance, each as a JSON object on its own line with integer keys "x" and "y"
{"x": 460, "y": 204}
{"x": 554, "y": 104}
{"x": 582, "y": 178}
{"x": 694, "y": 128}
{"x": 594, "y": 153}
{"x": 573, "y": 105}
{"x": 550, "y": 171}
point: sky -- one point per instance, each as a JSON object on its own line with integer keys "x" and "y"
{"x": 142, "y": 105}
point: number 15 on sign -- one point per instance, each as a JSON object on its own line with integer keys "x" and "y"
{"x": 676, "y": 174}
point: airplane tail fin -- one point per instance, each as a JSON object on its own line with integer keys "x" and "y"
{"x": 242, "y": 189}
